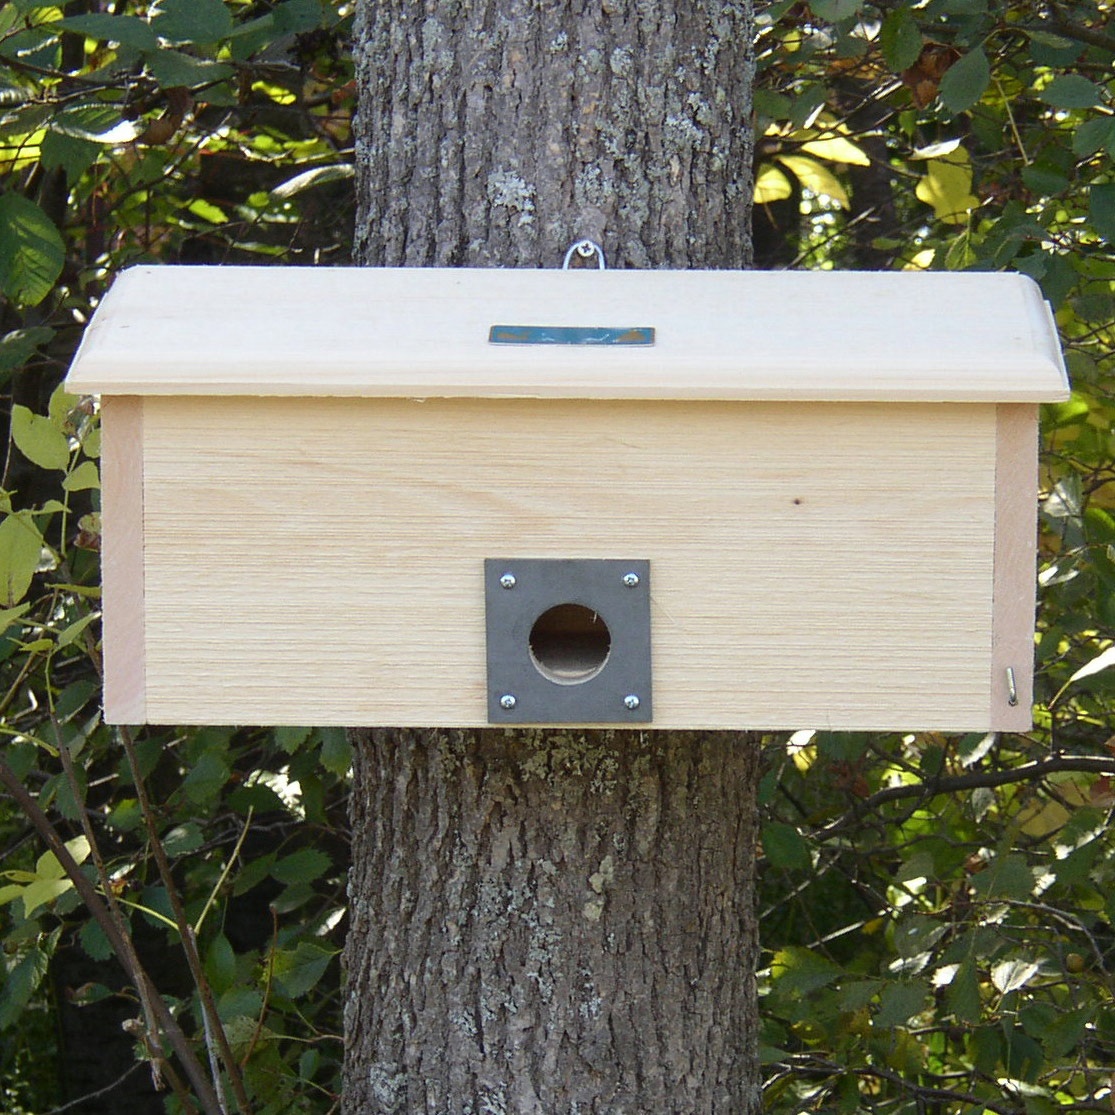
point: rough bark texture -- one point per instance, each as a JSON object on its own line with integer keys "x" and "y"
{"x": 559, "y": 922}
{"x": 497, "y": 132}
{"x": 552, "y": 923}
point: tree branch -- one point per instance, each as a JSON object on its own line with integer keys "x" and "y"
{"x": 958, "y": 783}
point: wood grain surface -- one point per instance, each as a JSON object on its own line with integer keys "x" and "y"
{"x": 814, "y": 566}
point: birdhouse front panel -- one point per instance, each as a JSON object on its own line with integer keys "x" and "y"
{"x": 838, "y": 561}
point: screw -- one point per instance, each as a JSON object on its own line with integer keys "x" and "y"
{"x": 631, "y": 579}
{"x": 631, "y": 702}
{"x": 508, "y": 580}
{"x": 508, "y": 701}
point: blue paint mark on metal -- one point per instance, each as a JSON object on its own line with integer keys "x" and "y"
{"x": 569, "y": 335}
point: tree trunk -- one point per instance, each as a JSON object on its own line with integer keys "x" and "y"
{"x": 560, "y": 921}
{"x": 496, "y": 133}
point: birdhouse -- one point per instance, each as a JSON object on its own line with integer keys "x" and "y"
{"x": 450, "y": 497}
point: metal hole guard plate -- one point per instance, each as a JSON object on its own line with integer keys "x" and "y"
{"x": 519, "y": 590}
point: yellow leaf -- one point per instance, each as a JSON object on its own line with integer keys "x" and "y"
{"x": 816, "y": 177}
{"x": 947, "y": 186}
{"x": 771, "y": 185}
{"x": 836, "y": 149}
{"x": 921, "y": 261}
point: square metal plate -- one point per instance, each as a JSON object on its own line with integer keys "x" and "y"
{"x": 568, "y": 640}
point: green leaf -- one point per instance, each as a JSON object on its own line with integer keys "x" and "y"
{"x": 1071, "y": 91}
{"x": 172, "y": 68}
{"x": 900, "y": 40}
{"x": 69, "y": 634}
{"x": 1097, "y": 134}
{"x": 183, "y": 839}
{"x": 899, "y": 1003}
{"x": 86, "y": 477}
{"x": 63, "y": 152}
{"x": 206, "y": 779}
{"x": 963, "y": 995}
{"x": 785, "y": 847}
{"x": 1005, "y": 877}
{"x": 836, "y": 10}
{"x": 31, "y": 250}
{"x": 220, "y": 965}
{"x": 21, "y": 981}
{"x": 965, "y": 82}
{"x": 39, "y": 439}
{"x": 18, "y": 346}
{"x": 94, "y": 941}
{"x": 802, "y": 970}
{"x": 302, "y": 867}
{"x": 1101, "y": 210}
{"x": 336, "y": 752}
{"x": 128, "y": 30}
{"x": 297, "y": 971}
{"x": 192, "y": 21}
{"x": 1010, "y": 975}
{"x": 291, "y": 738}
{"x": 293, "y": 17}
{"x": 21, "y": 545}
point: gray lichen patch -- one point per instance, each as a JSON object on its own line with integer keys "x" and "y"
{"x": 512, "y": 192}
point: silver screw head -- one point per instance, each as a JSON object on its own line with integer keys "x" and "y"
{"x": 631, "y": 580}
{"x": 508, "y": 580}
{"x": 631, "y": 702}
{"x": 508, "y": 701}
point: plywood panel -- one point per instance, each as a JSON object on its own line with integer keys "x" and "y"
{"x": 321, "y": 561}
{"x": 122, "y": 559}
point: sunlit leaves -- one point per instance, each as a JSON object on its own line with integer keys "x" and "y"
{"x": 947, "y": 186}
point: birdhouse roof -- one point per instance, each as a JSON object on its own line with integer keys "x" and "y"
{"x": 500, "y": 333}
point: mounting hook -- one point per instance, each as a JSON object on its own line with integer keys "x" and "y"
{"x": 586, "y": 249}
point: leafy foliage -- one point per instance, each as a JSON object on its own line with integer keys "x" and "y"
{"x": 188, "y": 130}
{"x": 937, "y": 910}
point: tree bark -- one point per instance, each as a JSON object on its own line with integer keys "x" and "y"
{"x": 550, "y": 922}
{"x": 497, "y": 132}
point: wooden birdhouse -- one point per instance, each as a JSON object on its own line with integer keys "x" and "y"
{"x": 667, "y": 499}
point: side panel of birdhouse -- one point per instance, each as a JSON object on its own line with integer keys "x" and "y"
{"x": 122, "y": 560}
{"x": 812, "y": 565}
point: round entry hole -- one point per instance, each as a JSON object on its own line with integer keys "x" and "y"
{"x": 569, "y": 644}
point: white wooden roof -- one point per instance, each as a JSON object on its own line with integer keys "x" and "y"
{"x": 424, "y": 332}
